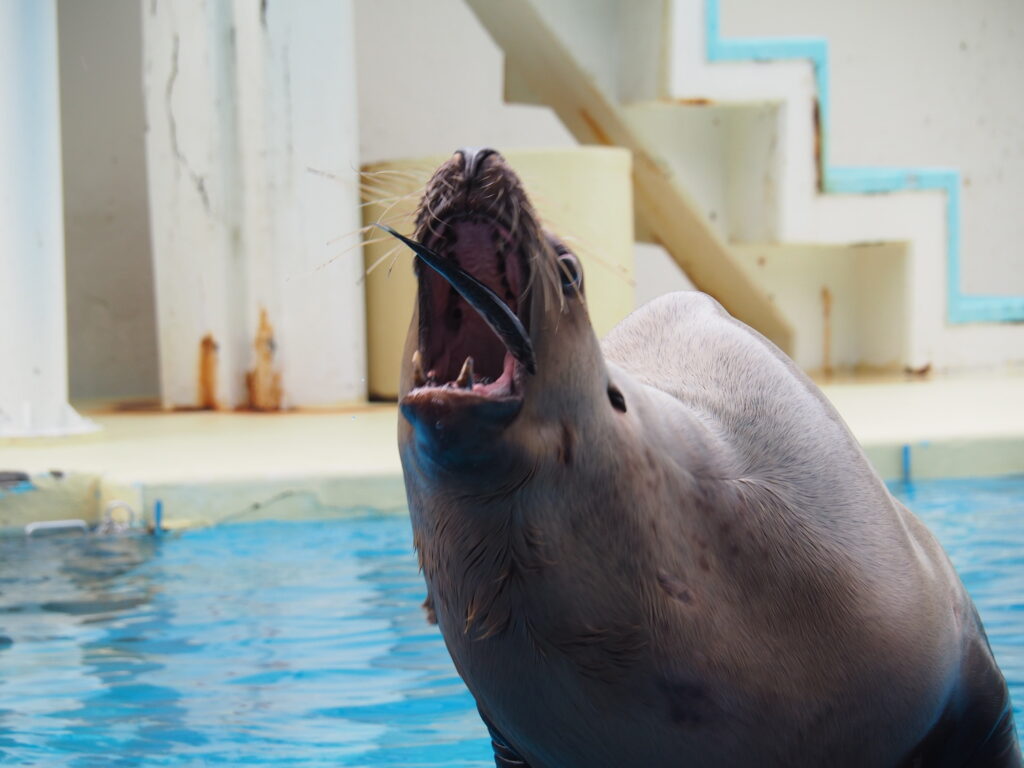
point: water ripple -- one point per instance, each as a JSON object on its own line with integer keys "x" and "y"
{"x": 305, "y": 644}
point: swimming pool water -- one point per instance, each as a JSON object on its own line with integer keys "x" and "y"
{"x": 303, "y": 643}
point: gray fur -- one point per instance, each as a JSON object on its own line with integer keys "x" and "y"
{"x": 715, "y": 577}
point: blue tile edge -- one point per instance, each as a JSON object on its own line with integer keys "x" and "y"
{"x": 960, "y": 307}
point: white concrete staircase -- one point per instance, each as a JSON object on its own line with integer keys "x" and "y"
{"x": 844, "y": 268}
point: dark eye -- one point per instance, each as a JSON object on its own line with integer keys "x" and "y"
{"x": 571, "y": 273}
{"x": 616, "y": 399}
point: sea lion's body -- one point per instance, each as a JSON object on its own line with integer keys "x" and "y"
{"x": 709, "y": 575}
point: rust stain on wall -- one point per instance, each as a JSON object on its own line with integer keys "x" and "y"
{"x": 208, "y": 373}
{"x": 263, "y": 383}
{"x": 818, "y": 159}
{"x": 921, "y": 371}
{"x": 595, "y": 128}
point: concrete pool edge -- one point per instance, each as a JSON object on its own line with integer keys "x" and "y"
{"x": 208, "y": 467}
{"x": 75, "y": 496}
{"x": 213, "y": 467}
{"x": 929, "y": 460}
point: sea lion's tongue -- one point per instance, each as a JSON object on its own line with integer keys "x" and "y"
{"x": 501, "y": 319}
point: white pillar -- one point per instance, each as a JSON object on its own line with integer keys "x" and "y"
{"x": 33, "y": 331}
{"x": 252, "y": 159}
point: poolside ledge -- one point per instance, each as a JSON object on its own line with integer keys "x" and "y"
{"x": 210, "y": 467}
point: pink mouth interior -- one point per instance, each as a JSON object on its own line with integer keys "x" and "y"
{"x": 455, "y": 330}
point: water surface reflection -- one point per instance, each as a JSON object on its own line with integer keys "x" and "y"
{"x": 305, "y": 644}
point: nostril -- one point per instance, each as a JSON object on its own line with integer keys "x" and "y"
{"x": 473, "y": 159}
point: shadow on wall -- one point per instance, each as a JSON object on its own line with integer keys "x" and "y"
{"x": 112, "y": 342}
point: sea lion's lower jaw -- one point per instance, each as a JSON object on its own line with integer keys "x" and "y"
{"x": 463, "y": 404}
{"x": 506, "y": 384}
{"x": 440, "y": 408}
{"x": 456, "y": 429}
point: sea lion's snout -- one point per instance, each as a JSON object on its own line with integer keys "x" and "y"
{"x": 472, "y": 158}
{"x": 500, "y": 335}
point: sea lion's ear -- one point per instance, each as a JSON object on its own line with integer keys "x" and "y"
{"x": 615, "y": 397}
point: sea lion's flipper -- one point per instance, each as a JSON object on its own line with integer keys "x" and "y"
{"x": 976, "y": 730}
{"x": 1000, "y": 749}
{"x": 504, "y": 755}
{"x": 952, "y": 744}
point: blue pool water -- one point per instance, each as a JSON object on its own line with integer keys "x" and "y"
{"x": 304, "y": 644}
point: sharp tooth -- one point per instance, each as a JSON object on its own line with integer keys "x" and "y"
{"x": 418, "y": 379}
{"x": 465, "y": 380}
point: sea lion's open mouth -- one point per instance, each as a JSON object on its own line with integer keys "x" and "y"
{"x": 475, "y": 236}
{"x": 499, "y": 316}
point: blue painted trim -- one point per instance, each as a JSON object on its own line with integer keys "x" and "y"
{"x": 960, "y": 307}
{"x": 25, "y": 486}
{"x": 813, "y": 49}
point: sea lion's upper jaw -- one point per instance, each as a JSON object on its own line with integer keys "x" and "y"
{"x": 477, "y": 240}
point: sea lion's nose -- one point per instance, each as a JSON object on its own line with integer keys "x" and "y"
{"x": 473, "y": 159}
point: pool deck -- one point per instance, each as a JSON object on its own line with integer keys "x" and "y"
{"x": 207, "y": 467}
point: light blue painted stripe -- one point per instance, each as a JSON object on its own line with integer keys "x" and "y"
{"x": 974, "y": 308}
{"x": 24, "y": 486}
{"x": 960, "y": 307}
{"x": 775, "y": 49}
{"x": 871, "y": 180}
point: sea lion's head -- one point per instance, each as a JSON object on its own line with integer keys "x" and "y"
{"x": 501, "y": 359}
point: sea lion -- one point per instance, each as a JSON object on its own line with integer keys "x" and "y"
{"x": 667, "y": 549}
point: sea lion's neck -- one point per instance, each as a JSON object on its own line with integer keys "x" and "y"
{"x": 477, "y": 553}
{"x": 582, "y": 491}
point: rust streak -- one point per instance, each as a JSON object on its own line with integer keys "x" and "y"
{"x": 263, "y": 383}
{"x": 922, "y": 371}
{"x": 818, "y": 159}
{"x": 698, "y": 101}
{"x": 595, "y": 128}
{"x": 208, "y": 373}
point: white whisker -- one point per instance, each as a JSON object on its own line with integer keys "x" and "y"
{"x": 380, "y": 260}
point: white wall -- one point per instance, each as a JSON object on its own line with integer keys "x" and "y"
{"x": 33, "y": 330}
{"x": 431, "y": 81}
{"x": 925, "y": 83}
{"x": 248, "y": 107}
